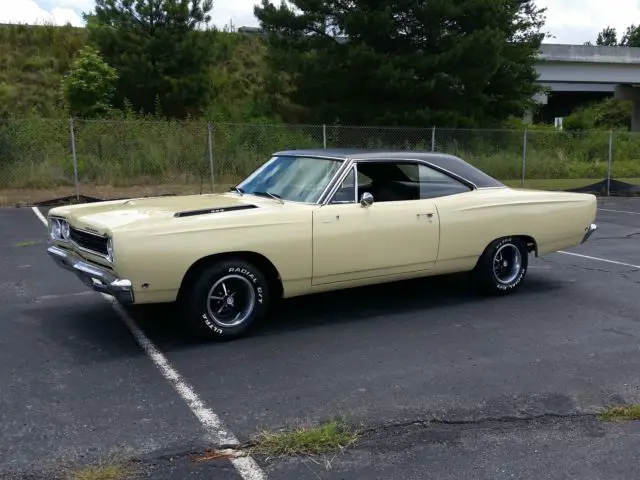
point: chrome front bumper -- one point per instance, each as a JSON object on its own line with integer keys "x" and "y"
{"x": 94, "y": 277}
{"x": 590, "y": 229}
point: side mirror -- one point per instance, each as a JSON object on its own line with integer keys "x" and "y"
{"x": 366, "y": 200}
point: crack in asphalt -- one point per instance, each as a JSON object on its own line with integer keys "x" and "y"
{"x": 217, "y": 457}
{"x": 624, "y": 273}
{"x": 579, "y": 267}
{"x": 630, "y": 236}
{"x": 507, "y": 419}
{"x": 436, "y": 421}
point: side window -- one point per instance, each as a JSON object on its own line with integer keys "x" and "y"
{"x": 437, "y": 184}
{"x": 389, "y": 181}
{"x": 346, "y": 193}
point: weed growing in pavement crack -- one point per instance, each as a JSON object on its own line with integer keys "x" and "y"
{"x": 325, "y": 438}
{"x": 110, "y": 471}
{"x": 620, "y": 413}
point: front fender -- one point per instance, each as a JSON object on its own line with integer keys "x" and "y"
{"x": 156, "y": 262}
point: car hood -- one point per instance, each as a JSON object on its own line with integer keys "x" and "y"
{"x": 102, "y": 217}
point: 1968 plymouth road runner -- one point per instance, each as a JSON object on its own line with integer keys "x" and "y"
{"x": 310, "y": 221}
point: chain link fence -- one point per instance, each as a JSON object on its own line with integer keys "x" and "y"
{"x": 43, "y": 159}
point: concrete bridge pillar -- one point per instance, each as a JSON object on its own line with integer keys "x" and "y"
{"x": 540, "y": 99}
{"x": 631, "y": 93}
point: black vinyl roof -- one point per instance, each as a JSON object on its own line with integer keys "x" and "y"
{"x": 451, "y": 163}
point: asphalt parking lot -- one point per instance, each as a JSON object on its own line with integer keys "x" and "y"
{"x": 448, "y": 385}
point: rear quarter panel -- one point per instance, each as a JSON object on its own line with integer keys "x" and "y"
{"x": 160, "y": 256}
{"x": 470, "y": 221}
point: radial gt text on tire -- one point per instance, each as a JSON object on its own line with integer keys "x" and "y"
{"x": 503, "y": 266}
{"x": 225, "y": 300}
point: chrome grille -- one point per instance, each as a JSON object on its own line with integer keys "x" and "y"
{"x": 89, "y": 241}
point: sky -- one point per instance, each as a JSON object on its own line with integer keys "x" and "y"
{"x": 570, "y": 21}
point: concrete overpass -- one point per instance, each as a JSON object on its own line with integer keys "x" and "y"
{"x": 582, "y": 69}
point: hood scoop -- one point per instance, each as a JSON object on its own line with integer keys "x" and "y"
{"x": 206, "y": 211}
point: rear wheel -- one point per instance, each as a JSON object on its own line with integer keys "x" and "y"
{"x": 226, "y": 299}
{"x": 503, "y": 266}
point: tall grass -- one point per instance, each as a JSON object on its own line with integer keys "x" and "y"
{"x": 37, "y": 153}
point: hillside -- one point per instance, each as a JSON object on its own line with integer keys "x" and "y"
{"x": 33, "y": 60}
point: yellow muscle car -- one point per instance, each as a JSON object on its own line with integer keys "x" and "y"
{"x": 310, "y": 221}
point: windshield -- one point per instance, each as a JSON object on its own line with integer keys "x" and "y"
{"x": 298, "y": 179}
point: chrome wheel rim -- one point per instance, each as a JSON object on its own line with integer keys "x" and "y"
{"x": 507, "y": 263}
{"x": 230, "y": 301}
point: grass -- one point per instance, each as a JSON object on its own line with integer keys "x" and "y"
{"x": 620, "y": 413}
{"x": 314, "y": 440}
{"x": 128, "y": 158}
{"x": 110, "y": 471}
{"x": 28, "y": 243}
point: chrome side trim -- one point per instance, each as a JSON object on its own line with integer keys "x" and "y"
{"x": 355, "y": 181}
{"x": 589, "y": 231}
{"x": 335, "y": 183}
{"x": 92, "y": 276}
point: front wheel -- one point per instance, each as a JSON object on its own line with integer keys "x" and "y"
{"x": 503, "y": 266}
{"x": 226, "y": 300}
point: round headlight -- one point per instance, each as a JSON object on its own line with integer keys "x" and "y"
{"x": 55, "y": 229}
{"x": 110, "y": 249}
{"x": 64, "y": 229}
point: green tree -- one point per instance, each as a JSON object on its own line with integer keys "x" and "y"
{"x": 631, "y": 37}
{"x": 609, "y": 113}
{"x": 89, "y": 87}
{"x": 446, "y": 62}
{"x": 158, "y": 50}
{"x": 608, "y": 37}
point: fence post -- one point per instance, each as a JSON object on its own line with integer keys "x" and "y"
{"x": 524, "y": 156}
{"x": 433, "y": 138}
{"x": 324, "y": 136}
{"x": 610, "y": 162}
{"x": 210, "y": 148}
{"x": 74, "y": 158}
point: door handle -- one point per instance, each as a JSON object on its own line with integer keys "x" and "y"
{"x": 428, "y": 215}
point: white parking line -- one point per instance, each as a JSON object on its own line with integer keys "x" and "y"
{"x": 598, "y": 259}
{"x": 39, "y": 214}
{"x": 217, "y": 432}
{"x": 618, "y": 211}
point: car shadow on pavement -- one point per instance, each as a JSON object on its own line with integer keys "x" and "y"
{"x": 162, "y": 324}
{"x": 87, "y": 329}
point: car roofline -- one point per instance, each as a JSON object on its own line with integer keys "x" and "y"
{"x": 443, "y": 162}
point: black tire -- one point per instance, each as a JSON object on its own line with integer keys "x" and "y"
{"x": 507, "y": 277}
{"x": 241, "y": 281}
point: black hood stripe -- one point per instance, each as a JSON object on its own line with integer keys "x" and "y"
{"x": 205, "y": 211}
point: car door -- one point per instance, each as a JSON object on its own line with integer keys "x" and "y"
{"x": 354, "y": 241}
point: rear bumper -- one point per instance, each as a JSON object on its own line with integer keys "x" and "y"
{"x": 96, "y": 278}
{"x": 590, "y": 229}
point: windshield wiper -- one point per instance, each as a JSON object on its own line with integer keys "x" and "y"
{"x": 237, "y": 190}
{"x": 275, "y": 196}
